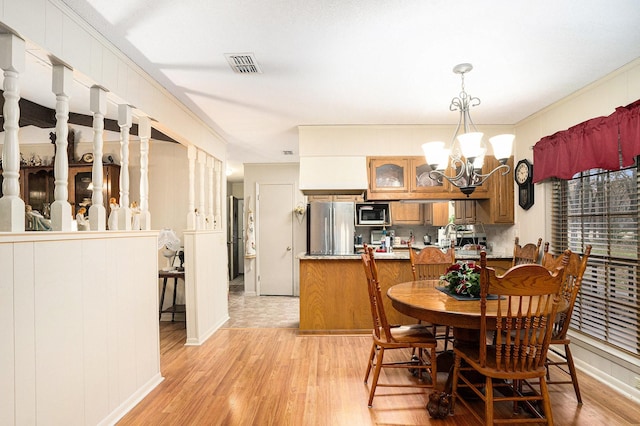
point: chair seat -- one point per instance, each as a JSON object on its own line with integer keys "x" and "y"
{"x": 471, "y": 355}
{"x": 415, "y": 333}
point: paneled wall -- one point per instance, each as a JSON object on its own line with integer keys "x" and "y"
{"x": 79, "y": 314}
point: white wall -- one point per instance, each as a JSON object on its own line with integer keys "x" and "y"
{"x": 274, "y": 174}
{"x": 68, "y": 370}
{"x": 79, "y": 333}
{"x": 598, "y": 99}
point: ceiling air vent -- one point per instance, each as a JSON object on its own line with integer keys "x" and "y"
{"x": 243, "y": 63}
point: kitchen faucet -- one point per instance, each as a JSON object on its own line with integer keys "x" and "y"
{"x": 447, "y": 231}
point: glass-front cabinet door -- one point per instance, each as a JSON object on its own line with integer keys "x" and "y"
{"x": 81, "y": 186}
{"x": 389, "y": 175}
{"x": 421, "y": 180}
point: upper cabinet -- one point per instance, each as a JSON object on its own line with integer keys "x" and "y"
{"x": 408, "y": 178}
{"x": 407, "y": 213}
{"x": 388, "y": 175}
{"x": 334, "y": 197}
{"x": 435, "y": 214}
{"x": 498, "y": 208}
{"x": 421, "y": 181}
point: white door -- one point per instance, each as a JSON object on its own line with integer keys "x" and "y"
{"x": 275, "y": 239}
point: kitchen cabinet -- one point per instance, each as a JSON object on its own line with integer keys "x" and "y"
{"x": 421, "y": 181}
{"x": 465, "y": 212}
{"x": 407, "y": 178}
{"x": 407, "y": 213}
{"x": 389, "y": 174}
{"x": 436, "y": 214}
{"x": 499, "y": 207}
{"x": 354, "y": 198}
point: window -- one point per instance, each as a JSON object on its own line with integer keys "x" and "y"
{"x": 600, "y": 208}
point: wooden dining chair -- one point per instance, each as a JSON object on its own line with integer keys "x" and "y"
{"x": 529, "y": 253}
{"x": 527, "y": 297}
{"x": 570, "y": 288}
{"x": 388, "y": 337}
{"x": 431, "y": 263}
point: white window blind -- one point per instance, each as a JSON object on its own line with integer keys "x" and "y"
{"x": 600, "y": 208}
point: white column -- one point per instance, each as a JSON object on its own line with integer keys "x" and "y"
{"x": 191, "y": 207}
{"x": 218, "y": 216}
{"x": 144, "y": 132}
{"x": 97, "y": 211}
{"x": 202, "y": 161}
{"x": 124, "y": 213}
{"x": 210, "y": 170}
{"x": 61, "y": 209}
{"x": 11, "y": 205}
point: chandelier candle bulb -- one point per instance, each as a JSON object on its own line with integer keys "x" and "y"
{"x": 502, "y": 146}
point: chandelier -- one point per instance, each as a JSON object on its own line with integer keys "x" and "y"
{"x": 467, "y": 149}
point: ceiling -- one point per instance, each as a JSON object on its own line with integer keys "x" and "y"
{"x": 332, "y": 62}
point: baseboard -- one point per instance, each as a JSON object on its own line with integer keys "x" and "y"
{"x": 132, "y": 401}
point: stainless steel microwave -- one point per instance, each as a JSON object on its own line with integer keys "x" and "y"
{"x": 373, "y": 214}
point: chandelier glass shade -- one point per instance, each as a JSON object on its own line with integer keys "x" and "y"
{"x": 465, "y": 154}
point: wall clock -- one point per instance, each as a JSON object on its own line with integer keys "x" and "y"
{"x": 524, "y": 178}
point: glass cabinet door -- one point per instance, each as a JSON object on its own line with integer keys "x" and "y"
{"x": 422, "y": 180}
{"x": 389, "y": 175}
{"x": 83, "y": 191}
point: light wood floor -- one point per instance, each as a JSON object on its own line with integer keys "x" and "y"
{"x": 261, "y": 376}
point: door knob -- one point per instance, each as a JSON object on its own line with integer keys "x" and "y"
{"x": 288, "y": 248}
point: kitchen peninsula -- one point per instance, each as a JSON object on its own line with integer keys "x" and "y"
{"x": 333, "y": 291}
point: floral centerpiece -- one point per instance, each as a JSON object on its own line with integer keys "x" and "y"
{"x": 463, "y": 279}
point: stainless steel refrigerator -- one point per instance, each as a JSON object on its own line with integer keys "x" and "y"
{"x": 330, "y": 228}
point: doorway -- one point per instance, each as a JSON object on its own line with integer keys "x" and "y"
{"x": 275, "y": 239}
{"x": 235, "y": 234}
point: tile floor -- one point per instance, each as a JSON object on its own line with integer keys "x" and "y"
{"x": 260, "y": 311}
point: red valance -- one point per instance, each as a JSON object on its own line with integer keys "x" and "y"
{"x": 588, "y": 145}
{"x": 629, "y": 122}
{"x": 596, "y": 143}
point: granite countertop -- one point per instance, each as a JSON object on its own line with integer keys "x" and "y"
{"x": 400, "y": 255}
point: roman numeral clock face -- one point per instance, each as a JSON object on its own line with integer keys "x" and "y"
{"x": 523, "y": 175}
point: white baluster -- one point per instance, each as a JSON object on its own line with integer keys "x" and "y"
{"x": 210, "y": 170}
{"x": 124, "y": 213}
{"x": 218, "y": 216}
{"x": 191, "y": 214}
{"x": 12, "y": 211}
{"x": 202, "y": 161}
{"x": 97, "y": 211}
{"x": 61, "y": 217}
{"x": 144, "y": 132}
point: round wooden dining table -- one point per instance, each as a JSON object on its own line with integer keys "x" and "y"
{"x": 421, "y": 300}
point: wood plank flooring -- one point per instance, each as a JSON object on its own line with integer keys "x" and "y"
{"x": 270, "y": 376}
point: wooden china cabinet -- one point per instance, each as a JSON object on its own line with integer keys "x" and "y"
{"x": 37, "y": 186}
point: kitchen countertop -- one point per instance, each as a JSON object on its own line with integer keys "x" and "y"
{"x": 401, "y": 255}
